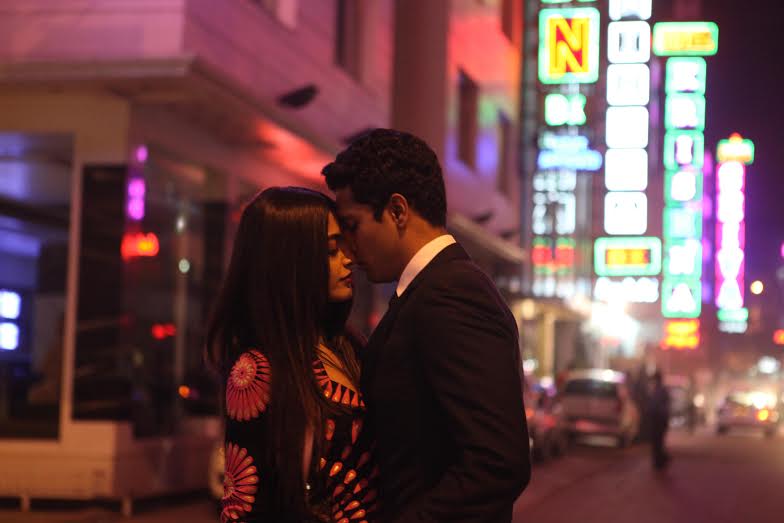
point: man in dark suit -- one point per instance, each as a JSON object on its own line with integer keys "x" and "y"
{"x": 441, "y": 373}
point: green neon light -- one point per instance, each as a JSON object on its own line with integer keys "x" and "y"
{"x": 561, "y": 109}
{"x": 677, "y": 188}
{"x": 735, "y": 149}
{"x": 685, "y": 39}
{"x": 682, "y": 223}
{"x": 683, "y": 259}
{"x": 698, "y": 151}
{"x": 559, "y": 63}
{"x": 681, "y": 298}
{"x": 735, "y": 315}
{"x": 629, "y": 266}
{"x": 674, "y": 110}
{"x": 695, "y": 84}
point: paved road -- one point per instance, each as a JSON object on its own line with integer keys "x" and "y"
{"x": 737, "y": 478}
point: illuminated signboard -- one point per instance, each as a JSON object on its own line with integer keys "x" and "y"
{"x": 138, "y": 245}
{"x": 625, "y": 213}
{"x": 685, "y": 38}
{"x": 681, "y": 334}
{"x": 686, "y": 75}
{"x": 561, "y": 109}
{"x": 629, "y": 289}
{"x": 626, "y": 170}
{"x": 629, "y": 42}
{"x": 684, "y": 111}
{"x": 623, "y": 256}
{"x": 639, "y": 9}
{"x": 628, "y": 254}
{"x": 683, "y": 158}
{"x": 684, "y": 148}
{"x": 778, "y": 337}
{"x": 628, "y": 84}
{"x": 731, "y": 234}
{"x": 569, "y": 45}
{"x": 736, "y": 149}
{"x": 681, "y": 298}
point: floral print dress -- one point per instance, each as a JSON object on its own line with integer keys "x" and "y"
{"x": 346, "y": 475}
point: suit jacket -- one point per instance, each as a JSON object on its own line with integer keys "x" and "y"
{"x": 442, "y": 380}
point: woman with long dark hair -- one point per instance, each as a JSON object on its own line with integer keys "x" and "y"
{"x": 295, "y": 449}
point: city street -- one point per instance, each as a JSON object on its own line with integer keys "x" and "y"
{"x": 712, "y": 479}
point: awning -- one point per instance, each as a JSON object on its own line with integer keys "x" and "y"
{"x": 475, "y": 237}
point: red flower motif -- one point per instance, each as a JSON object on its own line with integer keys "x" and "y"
{"x": 239, "y": 484}
{"x": 248, "y": 386}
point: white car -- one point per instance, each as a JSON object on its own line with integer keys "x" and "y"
{"x": 597, "y": 402}
{"x": 750, "y": 409}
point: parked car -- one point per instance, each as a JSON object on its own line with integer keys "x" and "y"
{"x": 547, "y": 426}
{"x": 597, "y": 402}
{"x": 755, "y": 408}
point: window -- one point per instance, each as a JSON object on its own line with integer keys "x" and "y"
{"x": 506, "y": 160}
{"x": 348, "y": 37}
{"x": 35, "y": 206}
{"x": 152, "y": 255}
{"x": 284, "y": 10}
{"x": 468, "y": 112}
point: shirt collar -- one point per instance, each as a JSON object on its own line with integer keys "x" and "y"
{"x": 420, "y": 260}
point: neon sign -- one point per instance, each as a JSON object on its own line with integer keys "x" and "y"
{"x": 625, "y": 213}
{"x": 628, "y": 84}
{"x": 632, "y": 290}
{"x": 10, "y": 304}
{"x": 681, "y": 298}
{"x": 686, "y": 75}
{"x": 561, "y": 109}
{"x": 731, "y": 233}
{"x": 627, "y": 127}
{"x": 685, "y": 39}
{"x": 626, "y": 170}
{"x": 137, "y": 245}
{"x": 623, "y": 256}
{"x": 569, "y": 45}
{"x": 629, "y": 42}
{"x": 681, "y": 334}
{"x": 9, "y": 336}
{"x": 640, "y": 9}
{"x": 736, "y": 149}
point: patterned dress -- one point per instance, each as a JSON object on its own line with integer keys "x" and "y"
{"x": 346, "y": 474}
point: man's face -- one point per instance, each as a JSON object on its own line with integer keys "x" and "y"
{"x": 374, "y": 245}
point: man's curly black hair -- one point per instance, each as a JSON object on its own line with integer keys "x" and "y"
{"x": 383, "y": 162}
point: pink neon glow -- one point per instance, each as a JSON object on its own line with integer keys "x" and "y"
{"x": 141, "y": 153}
{"x": 136, "y": 188}
{"x": 730, "y": 235}
{"x": 135, "y": 207}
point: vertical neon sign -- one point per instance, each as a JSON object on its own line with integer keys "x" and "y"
{"x": 626, "y": 159}
{"x": 568, "y": 58}
{"x": 684, "y": 146}
{"x": 733, "y": 156}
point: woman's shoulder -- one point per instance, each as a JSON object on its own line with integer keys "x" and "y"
{"x": 248, "y": 386}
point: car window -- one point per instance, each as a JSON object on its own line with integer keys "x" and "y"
{"x": 589, "y": 387}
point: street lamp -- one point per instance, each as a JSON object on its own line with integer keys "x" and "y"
{"x": 757, "y": 287}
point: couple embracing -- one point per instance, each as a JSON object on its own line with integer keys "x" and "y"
{"x": 423, "y": 422}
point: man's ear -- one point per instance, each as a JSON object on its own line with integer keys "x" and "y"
{"x": 398, "y": 208}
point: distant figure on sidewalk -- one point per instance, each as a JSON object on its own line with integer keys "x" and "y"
{"x": 658, "y": 414}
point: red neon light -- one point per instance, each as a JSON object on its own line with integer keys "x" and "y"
{"x": 136, "y": 245}
{"x": 778, "y": 337}
{"x": 564, "y": 255}
{"x": 162, "y": 331}
{"x": 542, "y": 255}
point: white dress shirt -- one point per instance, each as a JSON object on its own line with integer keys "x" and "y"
{"x": 420, "y": 260}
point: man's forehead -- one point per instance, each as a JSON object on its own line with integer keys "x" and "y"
{"x": 344, "y": 198}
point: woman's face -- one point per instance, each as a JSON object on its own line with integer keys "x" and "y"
{"x": 340, "y": 284}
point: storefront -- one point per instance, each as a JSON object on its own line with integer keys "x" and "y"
{"x": 116, "y": 219}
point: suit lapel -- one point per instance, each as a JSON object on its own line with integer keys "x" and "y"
{"x": 378, "y": 339}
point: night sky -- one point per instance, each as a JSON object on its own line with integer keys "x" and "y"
{"x": 745, "y": 93}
